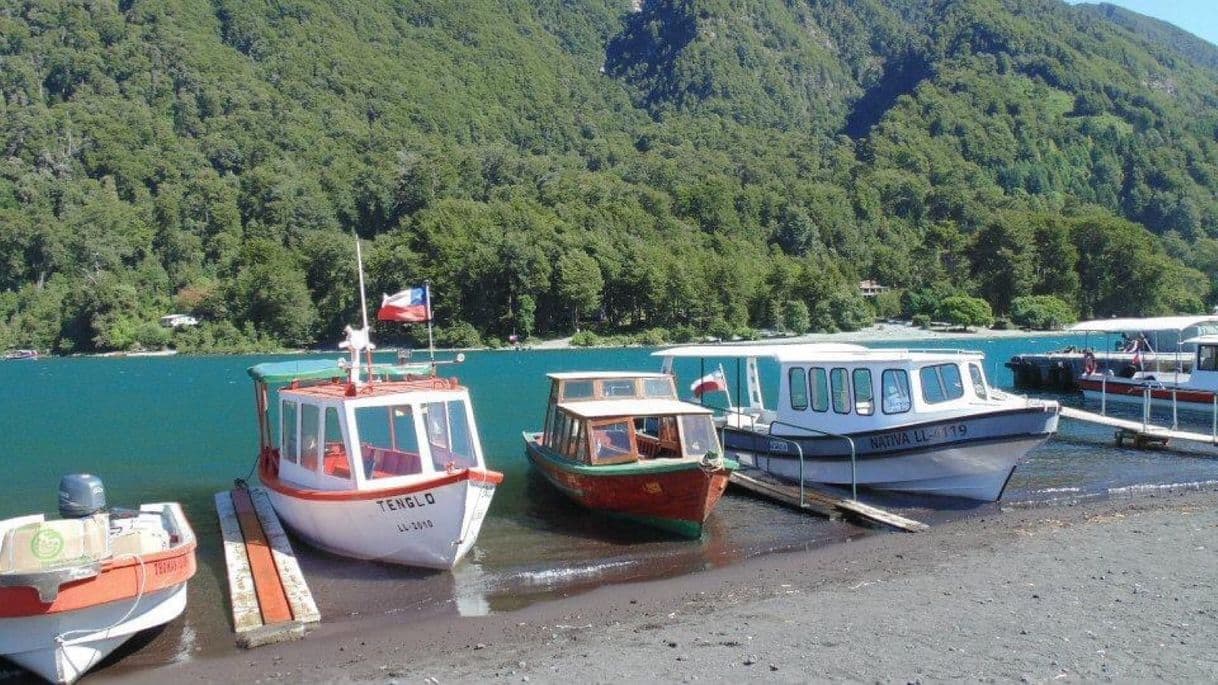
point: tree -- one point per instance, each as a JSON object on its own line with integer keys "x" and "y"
{"x": 579, "y": 285}
{"x": 1041, "y": 312}
{"x": 964, "y": 311}
{"x": 797, "y": 318}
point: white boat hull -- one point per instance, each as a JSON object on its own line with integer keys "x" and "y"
{"x": 432, "y": 528}
{"x": 89, "y": 634}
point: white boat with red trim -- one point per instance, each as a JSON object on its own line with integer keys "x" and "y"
{"x": 921, "y": 421}
{"x": 73, "y": 589}
{"x": 1193, "y": 390}
{"x": 379, "y": 463}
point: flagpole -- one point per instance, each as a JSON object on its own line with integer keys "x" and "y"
{"x": 722, "y": 375}
{"x": 431, "y": 343}
{"x": 363, "y": 302}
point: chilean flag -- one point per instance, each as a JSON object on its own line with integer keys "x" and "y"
{"x": 709, "y": 383}
{"x": 412, "y": 305}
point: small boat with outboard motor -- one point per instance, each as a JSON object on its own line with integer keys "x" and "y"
{"x": 920, "y": 421}
{"x": 73, "y": 589}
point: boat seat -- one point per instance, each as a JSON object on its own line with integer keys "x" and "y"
{"x": 46, "y": 545}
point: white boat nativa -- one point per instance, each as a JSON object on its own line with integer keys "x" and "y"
{"x": 383, "y": 465}
{"x": 73, "y": 590}
{"x": 920, "y": 421}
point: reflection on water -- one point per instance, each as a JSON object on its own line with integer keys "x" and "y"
{"x": 150, "y": 441}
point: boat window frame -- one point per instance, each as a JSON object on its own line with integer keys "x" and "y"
{"x": 907, "y": 404}
{"x": 936, "y": 371}
{"x": 414, "y": 411}
{"x": 870, "y": 401}
{"x": 977, "y": 376}
{"x": 814, "y": 395}
{"x": 833, "y": 395}
{"x": 322, "y": 469}
{"x": 681, "y": 431}
{"x": 315, "y": 465}
{"x": 1213, "y": 358}
{"x": 801, "y": 385}
{"x": 289, "y": 450}
{"x": 631, "y": 437}
{"x": 670, "y": 391}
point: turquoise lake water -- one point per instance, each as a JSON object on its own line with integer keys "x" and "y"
{"x": 182, "y": 428}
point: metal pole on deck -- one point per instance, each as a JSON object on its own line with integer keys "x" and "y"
{"x": 1145, "y": 408}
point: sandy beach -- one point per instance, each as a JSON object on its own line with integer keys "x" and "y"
{"x": 1119, "y": 588}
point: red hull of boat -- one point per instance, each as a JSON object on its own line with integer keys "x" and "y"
{"x": 1135, "y": 390}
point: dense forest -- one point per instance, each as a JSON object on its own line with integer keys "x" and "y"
{"x": 665, "y": 169}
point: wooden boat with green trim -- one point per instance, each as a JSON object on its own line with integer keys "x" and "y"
{"x": 622, "y": 444}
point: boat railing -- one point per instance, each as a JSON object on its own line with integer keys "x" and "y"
{"x": 854, "y": 489}
{"x": 944, "y": 351}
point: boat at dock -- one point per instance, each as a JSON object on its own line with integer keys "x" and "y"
{"x": 1195, "y": 389}
{"x": 919, "y": 421}
{"x": 75, "y": 588}
{"x": 1110, "y": 345}
{"x": 621, "y": 443}
{"x": 378, "y": 462}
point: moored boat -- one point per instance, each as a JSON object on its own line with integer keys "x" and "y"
{"x": 920, "y": 421}
{"x": 380, "y": 462}
{"x": 14, "y": 355}
{"x": 73, "y": 589}
{"x": 1196, "y": 389}
{"x": 622, "y": 444}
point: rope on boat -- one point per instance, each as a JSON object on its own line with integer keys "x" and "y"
{"x": 711, "y": 462}
{"x": 62, "y": 639}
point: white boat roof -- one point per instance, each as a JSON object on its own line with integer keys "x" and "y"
{"x": 812, "y": 352}
{"x": 595, "y": 409}
{"x": 1204, "y": 339}
{"x": 1154, "y": 323}
{"x": 597, "y": 375}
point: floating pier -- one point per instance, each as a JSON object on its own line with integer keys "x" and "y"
{"x": 271, "y": 601}
{"x": 1057, "y": 371}
{"x": 1138, "y": 433}
{"x": 818, "y": 501}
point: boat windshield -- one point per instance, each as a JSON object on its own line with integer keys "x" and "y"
{"x": 389, "y": 443}
{"x": 698, "y": 435}
{"x": 449, "y": 435}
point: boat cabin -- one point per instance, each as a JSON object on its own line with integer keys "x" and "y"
{"x": 1205, "y": 369}
{"x": 614, "y": 418}
{"x": 834, "y": 388}
{"x": 388, "y": 433}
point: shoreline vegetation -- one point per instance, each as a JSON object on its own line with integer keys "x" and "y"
{"x": 1121, "y": 588}
{"x": 890, "y": 331}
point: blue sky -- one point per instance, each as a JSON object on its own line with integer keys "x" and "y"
{"x": 1198, "y": 17}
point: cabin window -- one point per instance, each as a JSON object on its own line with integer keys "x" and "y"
{"x": 864, "y": 396}
{"x": 841, "y": 391}
{"x": 618, "y": 387}
{"x": 448, "y": 435}
{"x": 310, "y": 429}
{"x": 797, "y": 379}
{"x": 287, "y": 433}
{"x": 334, "y": 463}
{"x": 818, "y": 381}
{"x": 896, "y": 391}
{"x": 978, "y": 378}
{"x": 578, "y": 390}
{"x": 941, "y": 383}
{"x": 658, "y": 388}
{"x": 1207, "y": 358}
{"x": 389, "y": 444}
{"x": 613, "y": 441}
{"x": 698, "y": 435}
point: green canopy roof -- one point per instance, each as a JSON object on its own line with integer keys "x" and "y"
{"x": 320, "y": 369}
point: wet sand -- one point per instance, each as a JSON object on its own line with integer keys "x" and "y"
{"x": 1119, "y": 588}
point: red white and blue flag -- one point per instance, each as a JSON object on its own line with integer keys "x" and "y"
{"x": 711, "y": 382}
{"x": 412, "y": 305}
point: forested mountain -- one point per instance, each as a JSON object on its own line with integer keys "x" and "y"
{"x": 676, "y": 166}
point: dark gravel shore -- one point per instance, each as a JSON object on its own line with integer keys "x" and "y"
{"x": 1120, "y": 589}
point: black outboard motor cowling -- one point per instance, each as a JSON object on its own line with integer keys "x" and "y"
{"x": 81, "y": 495}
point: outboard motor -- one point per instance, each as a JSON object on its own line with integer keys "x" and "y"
{"x": 81, "y": 495}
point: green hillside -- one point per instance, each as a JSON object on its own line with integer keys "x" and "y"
{"x": 696, "y": 166}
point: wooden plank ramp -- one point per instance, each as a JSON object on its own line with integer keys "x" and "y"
{"x": 819, "y": 501}
{"x": 1135, "y": 432}
{"x": 271, "y": 601}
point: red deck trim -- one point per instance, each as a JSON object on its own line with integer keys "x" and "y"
{"x": 273, "y": 482}
{"x": 272, "y": 598}
{"x": 119, "y": 579}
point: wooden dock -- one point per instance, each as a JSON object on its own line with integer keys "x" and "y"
{"x": 819, "y": 501}
{"x": 1139, "y": 434}
{"x": 271, "y": 601}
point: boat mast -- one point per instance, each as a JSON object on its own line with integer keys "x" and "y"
{"x": 363, "y": 305}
